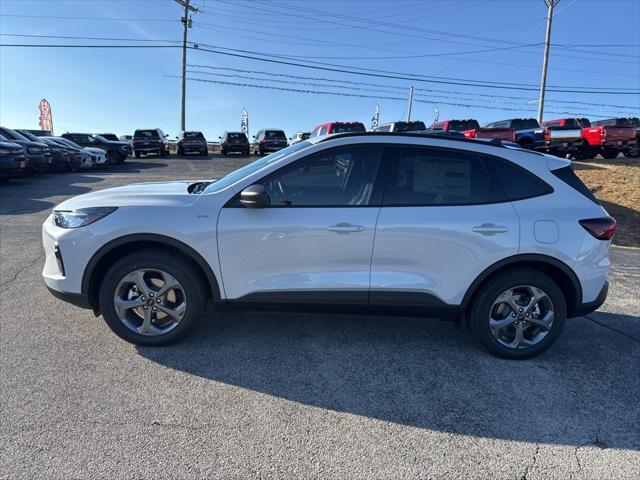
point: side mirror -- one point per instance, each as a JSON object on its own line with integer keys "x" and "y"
{"x": 254, "y": 196}
{"x": 220, "y": 138}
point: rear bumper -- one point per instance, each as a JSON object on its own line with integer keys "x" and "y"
{"x": 235, "y": 147}
{"x": 193, "y": 148}
{"x": 587, "y": 308}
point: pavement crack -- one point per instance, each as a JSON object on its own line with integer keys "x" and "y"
{"x": 613, "y": 329}
{"x": 20, "y": 270}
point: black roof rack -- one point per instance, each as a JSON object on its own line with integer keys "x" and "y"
{"x": 413, "y": 135}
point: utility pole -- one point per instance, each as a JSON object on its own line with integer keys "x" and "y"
{"x": 410, "y": 104}
{"x": 186, "y": 21}
{"x": 545, "y": 63}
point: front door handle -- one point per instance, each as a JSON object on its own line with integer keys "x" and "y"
{"x": 489, "y": 229}
{"x": 345, "y": 228}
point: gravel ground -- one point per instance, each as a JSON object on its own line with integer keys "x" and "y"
{"x": 284, "y": 396}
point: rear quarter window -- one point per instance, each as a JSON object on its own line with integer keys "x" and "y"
{"x": 518, "y": 183}
{"x": 568, "y": 176}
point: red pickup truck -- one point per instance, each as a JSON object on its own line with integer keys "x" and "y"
{"x": 471, "y": 129}
{"x": 606, "y": 140}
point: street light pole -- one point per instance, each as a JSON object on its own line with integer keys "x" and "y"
{"x": 186, "y": 22}
{"x": 545, "y": 63}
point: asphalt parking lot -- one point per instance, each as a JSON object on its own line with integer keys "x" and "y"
{"x": 286, "y": 396}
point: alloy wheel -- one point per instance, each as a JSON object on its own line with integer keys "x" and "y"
{"x": 521, "y": 317}
{"x": 150, "y": 302}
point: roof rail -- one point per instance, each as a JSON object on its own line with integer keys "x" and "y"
{"x": 411, "y": 135}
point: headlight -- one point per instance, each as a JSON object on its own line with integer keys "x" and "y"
{"x": 81, "y": 217}
{"x": 34, "y": 149}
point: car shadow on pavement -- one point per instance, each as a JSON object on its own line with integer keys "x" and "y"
{"x": 24, "y": 195}
{"x": 428, "y": 374}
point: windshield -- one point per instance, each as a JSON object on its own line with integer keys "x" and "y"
{"x": 635, "y": 121}
{"x": 247, "y": 170}
{"x": 109, "y": 136}
{"x": 460, "y": 125}
{"x": 69, "y": 142}
{"x": 197, "y": 135}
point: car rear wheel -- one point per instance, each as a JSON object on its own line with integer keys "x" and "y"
{"x": 633, "y": 151}
{"x": 518, "y": 314}
{"x": 152, "y": 298}
{"x": 609, "y": 153}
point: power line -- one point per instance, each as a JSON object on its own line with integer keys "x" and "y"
{"x": 358, "y": 95}
{"x": 352, "y": 85}
{"x": 404, "y": 28}
{"x": 343, "y": 68}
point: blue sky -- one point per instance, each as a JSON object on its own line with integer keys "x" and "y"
{"x": 118, "y": 90}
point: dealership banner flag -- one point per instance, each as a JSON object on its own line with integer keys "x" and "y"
{"x": 244, "y": 124}
{"x": 46, "y": 117}
{"x": 376, "y": 117}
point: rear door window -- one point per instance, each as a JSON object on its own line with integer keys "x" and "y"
{"x": 423, "y": 176}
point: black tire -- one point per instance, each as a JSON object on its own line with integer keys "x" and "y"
{"x": 632, "y": 152}
{"x": 137, "y": 154}
{"x": 585, "y": 152}
{"x": 480, "y": 311}
{"x": 223, "y": 152}
{"x": 180, "y": 152}
{"x": 173, "y": 264}
{"x": 164, "y": 153}
{"x": 609, "y": 153}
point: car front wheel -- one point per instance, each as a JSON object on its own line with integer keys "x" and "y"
{"x": 152, "y": 297}
{"x": 518, "y": 314}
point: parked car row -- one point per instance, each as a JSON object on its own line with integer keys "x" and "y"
{"x": 567, "y": 137}
{"x": 26, "y": 151}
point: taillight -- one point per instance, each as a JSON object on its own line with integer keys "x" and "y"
{"x": 601, "y": 228}
{"x": 547, "y": 135}
{"x": 603, "y": 133}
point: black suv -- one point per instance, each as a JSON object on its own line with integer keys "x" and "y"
{"x": 117, "y": 152}
{"x": 152, "y": 140}
{"x": 192, "y": 142}
{"x": 234, "y": 142}
{"x": 269, "y": 140}
{"x": 13, "y": 163}
{"x": 38, "y": 153}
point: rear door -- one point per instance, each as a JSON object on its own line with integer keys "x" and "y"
{"x": 445, "y": 218}
{"x": 312, "y": 246}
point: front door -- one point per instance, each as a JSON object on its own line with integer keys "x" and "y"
{"x": 312, "y": 246}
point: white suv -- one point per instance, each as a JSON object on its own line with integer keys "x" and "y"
{"x": 508, "y": 240}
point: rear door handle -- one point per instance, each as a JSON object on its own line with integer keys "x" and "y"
{"x": 345, "y": 228}
{"x": 489, "y": 229}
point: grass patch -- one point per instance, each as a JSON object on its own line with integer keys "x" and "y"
{"x": 616, "y": 183}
